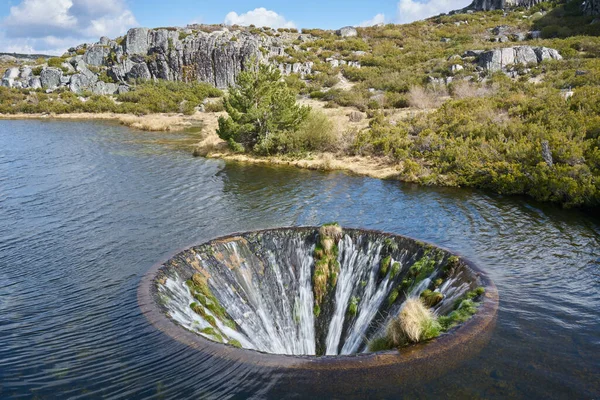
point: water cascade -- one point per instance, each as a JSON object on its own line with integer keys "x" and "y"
{"x": 261, "y": 290}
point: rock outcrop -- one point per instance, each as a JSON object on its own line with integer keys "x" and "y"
{"x": 347, "y": 31}
{"x": 500, "y": 59}
{"x": 191, "y": 54}
{"x": 591, "y": 7}
{"x": 489, "y": 5}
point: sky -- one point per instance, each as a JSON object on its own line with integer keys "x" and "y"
{"x": 52, "y": 26}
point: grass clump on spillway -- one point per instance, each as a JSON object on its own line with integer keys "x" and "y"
{"x": 417, "y": 322}
{"x": 464, "y": 308}
{"x": 385, "y": 264}
{"x": 208, "y": 307}
{"x": 327, "y": 267}
{"x": 431, "y": 298}
{"x": 353, "y": 306}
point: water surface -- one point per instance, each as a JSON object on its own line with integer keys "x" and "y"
{"x": 87, "y": 208}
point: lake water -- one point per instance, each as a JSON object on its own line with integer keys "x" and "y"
{"x": 87, "y": 208}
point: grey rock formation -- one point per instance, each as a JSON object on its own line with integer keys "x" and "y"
{"x": 67, "y": 68}
{"x": 26, "y": 72}
{"x": 455, "y": 68}
{"x": 488, "y": 5}
{"x": 79, "y": 83}
{"x": 525, "y": 55}
{"x": 50, "y": 78}
{"x": 119, "y": 71}
{"x": 122, "y": 89}
{"x": 96, "y": 55}
{"x": 297, "y": 68}
{"x": 8, "y": 80}
{"x": 544, "y": 53}
{"x": 139, "y": 71}
{"x": 347, "y": 31}
{"x": 591, "y": 7}
{"x": 472, "y": 53}
{"x": 8, "y": 59}
{"x": 187, "y": 55}
{"x": 35, "y": 82}
{"x": 136, "y": 41}
{"x": 11, "y": 73}
{"x": 499, "y": 59}
{"x": 104, "y": 88}
{"x": 83, "y": 80}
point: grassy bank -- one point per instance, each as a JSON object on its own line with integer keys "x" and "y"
{"x": 150, "y": 123}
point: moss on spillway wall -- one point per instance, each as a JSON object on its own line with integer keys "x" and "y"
{"x": 310, "y": 291}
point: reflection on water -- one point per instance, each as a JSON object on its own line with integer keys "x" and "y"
{"x": 86, "y": 208}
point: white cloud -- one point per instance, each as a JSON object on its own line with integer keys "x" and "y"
{"x": 411, "y": 10}
{"x": 376, "y": 20}
{"x": 51, "y": 26}
{"x": 259, "y": 17}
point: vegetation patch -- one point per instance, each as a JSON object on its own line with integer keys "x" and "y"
{"x": 327, "y": 266}
{"x": 200, "y": 290}
{"x": 464, "y": 308}
{"x": 353, "y": 306}
{"x": 417, "y": 322}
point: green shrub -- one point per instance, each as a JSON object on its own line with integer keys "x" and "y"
{"x": 214, "y": 106}
{"x": 261, "y": 109}
{"x": 55, "y": 62}
{"x": 315, "y": 133}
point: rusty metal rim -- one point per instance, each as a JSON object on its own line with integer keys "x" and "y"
{"x": 480, "y": 324}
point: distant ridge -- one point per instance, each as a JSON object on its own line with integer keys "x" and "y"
{"x": 26, "y": 56}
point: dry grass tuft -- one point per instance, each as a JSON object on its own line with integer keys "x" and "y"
{"x": 415, "y": 323}
{"x": 464, "y": 89}
{"x": 331, "y": 232}
{"x": 426, "y": 98}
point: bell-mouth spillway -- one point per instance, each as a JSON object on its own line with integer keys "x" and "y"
{"x": 292, "y": 297}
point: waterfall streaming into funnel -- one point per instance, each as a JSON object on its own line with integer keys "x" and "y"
{"x": 255, "y": 290}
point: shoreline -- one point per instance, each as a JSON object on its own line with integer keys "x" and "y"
{"x": 150, "y": 123}
{"x": 211, "y": 146}
{"x": 326, "y": 162}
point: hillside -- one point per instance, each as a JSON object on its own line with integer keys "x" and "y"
{"x": 506, "y": 100}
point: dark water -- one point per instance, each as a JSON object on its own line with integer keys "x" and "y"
{"x": 87, "y": 208}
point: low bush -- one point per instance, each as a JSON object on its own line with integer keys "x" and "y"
{"x": 314, "y": 134}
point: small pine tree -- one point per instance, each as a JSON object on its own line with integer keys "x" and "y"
{"x": 259, "y": 107}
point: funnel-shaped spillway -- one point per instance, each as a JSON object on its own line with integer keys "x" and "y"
{"x": 294, "y": 291}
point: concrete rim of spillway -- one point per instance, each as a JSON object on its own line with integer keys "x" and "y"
{"x": 443, "y": 352}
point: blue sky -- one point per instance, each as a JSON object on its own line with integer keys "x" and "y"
{"x": 51, "y": 26}
{"x": 305, "y": 14}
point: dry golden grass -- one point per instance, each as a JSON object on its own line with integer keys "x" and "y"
{"x": 413, "y": 323}
{"x": 427, "y": 98}
{"x": 153, "y": 122}
{"x": 465, "y": 89}
{"x": 330, "y": 235}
